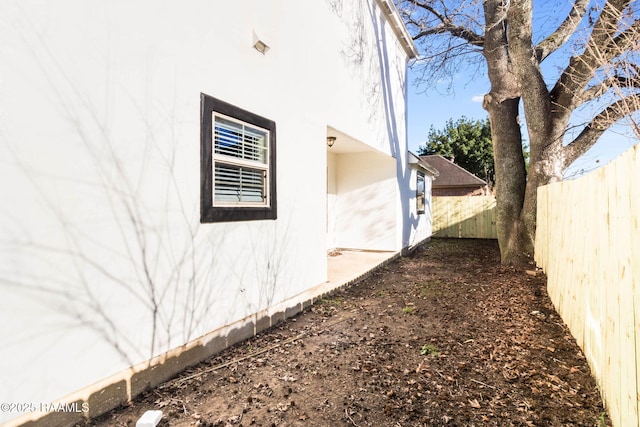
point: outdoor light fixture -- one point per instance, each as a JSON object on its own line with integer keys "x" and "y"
{"x": 259, "y": 45}
{"x": 331, "y": 140}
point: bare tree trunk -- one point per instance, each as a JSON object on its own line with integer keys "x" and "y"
{"x": 502, "y": 104}
{"x": 537, "y": 111}
{"x": 515, "y": 243}
{"x": 546, "y": 167}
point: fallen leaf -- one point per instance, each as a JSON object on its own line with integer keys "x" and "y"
{"x": 474, "y": 403}
{"x": 555, "y": 378}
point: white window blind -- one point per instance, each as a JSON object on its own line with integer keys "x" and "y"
{"x": 239, "y": 184}
{"x": 241, "y": 163}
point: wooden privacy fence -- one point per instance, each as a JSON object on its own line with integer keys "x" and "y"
{"x": 588, "y": 243}
{"x": 464, "y": 216}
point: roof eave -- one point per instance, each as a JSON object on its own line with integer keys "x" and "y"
{"x": 416, "y": 162}
{"x": 458, "y": 186}
{"x": 399, "y": 28}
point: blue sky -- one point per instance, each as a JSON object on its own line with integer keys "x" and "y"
{"x": 436, "y": 107}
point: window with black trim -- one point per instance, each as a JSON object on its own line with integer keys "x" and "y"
{"x": 420, "y": 193}
{"x": 237, "y": 163}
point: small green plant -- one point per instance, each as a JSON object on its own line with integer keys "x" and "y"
{"x": 429, "y": 350}
{"x": 332, "y": 302}
{"x": 409, "y": 309}
{"x": 430, "y": 288}
{"x": 382, "y": 293}
{"x": 424, "y": 291}
{"x": 329, "y": 305}
{"x": 602, "y": 420}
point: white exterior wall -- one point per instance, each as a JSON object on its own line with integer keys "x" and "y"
{"x": 419, "y": 225}
{"x": 365, "y": 210}
{"x": 100, "y": 152}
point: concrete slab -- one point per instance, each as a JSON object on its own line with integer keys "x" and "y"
{"x": 347, "y": 265}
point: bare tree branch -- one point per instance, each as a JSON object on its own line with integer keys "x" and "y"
{"x": 622, "y": 42}
{"x": 604, "y": 44}
{"x": 564, "y": 32}
{"x": 615, "y": 81}
{"x": 456, "y": 31}
{"x": 446, "y": 26}
{"x": 536, "y": 95}
{"x": 430, "y": 9}
{"x": 598, "y": 125}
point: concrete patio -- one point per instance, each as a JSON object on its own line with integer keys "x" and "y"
{"x": 346, "y": 266}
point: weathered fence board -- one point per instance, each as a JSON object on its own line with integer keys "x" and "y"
{"x": 464, "y": 217}
{"x": 588, "y": 243}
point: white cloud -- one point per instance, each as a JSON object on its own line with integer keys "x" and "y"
{"x": 477, "y": 98}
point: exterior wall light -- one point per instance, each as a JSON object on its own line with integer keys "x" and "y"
{"x": 259, "y": 45}
{"x": 330, "y": 141}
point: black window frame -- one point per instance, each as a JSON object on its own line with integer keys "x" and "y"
{"x": 208, "y": 212}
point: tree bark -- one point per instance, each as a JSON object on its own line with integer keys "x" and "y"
{"x": 516, "y": 246}
{"x": 502, "y": 104}
{"x": 545, "y": 127}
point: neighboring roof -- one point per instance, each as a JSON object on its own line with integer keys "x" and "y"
{"x": 420, "y": 163}
{"x": 399, "y": 28}
{"x": 452, "y": 175}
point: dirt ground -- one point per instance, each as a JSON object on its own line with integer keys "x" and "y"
{"x": 446, "y": 336}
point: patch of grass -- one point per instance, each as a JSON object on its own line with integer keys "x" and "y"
{"x": 332, "y": 302}
{"x": 409, "y": 309}
{"x": 430, "y": 289}
{"x": 429, "y": 350}
{"x": 328, "y": 305}
{"x": 382, "y": 293}
{"x": 425, "y": 289}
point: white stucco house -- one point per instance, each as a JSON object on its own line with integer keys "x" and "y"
{"x": 167, "y": 186}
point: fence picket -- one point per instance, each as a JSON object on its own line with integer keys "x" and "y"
{"x": 588, "y": 243}
{"x": 464, "y": 217}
